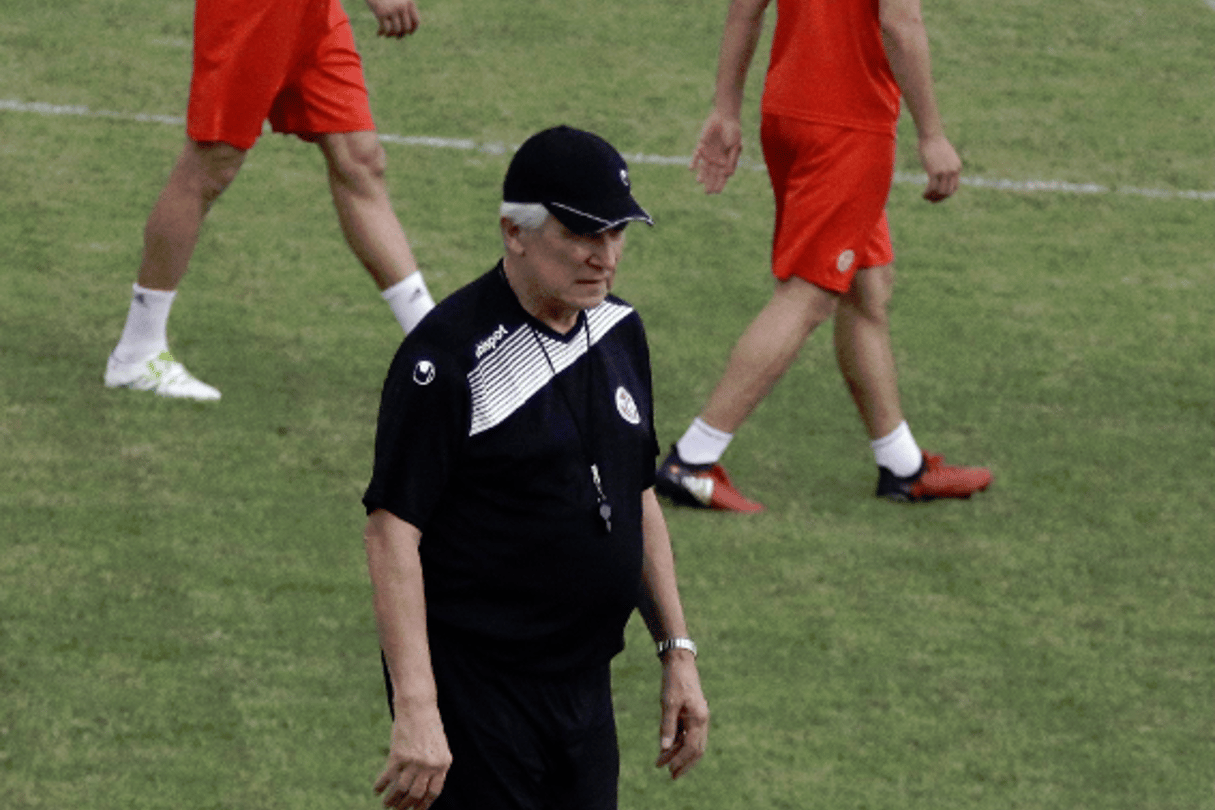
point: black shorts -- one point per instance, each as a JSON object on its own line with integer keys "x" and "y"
{"x": 524, "y": 741}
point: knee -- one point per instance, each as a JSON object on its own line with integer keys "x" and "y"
{"x": 358, "y": 160}
{"x": 876, "y": 305}
{"x": 873, "y": 309}
{"x": 819, "y": 310}
{"x": 871, "y": 294}
{"x": 807, "y": 305}
{"x": 216, "y": 180}
{"x": 210, "y": 168}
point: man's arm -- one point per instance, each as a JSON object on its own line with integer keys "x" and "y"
{"x": 685, "y": 713}
{"x": 418, "y": 757}
{"x": 906, "y": 44}
{"x": 397, "y": 18}
{"x": 720, "y": 144}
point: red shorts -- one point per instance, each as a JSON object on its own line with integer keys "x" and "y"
{"x": 831, "y": 186}
{"x": 292, "y": 61}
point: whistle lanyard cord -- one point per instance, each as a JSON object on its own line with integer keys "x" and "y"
{"x": 585, "y": 439}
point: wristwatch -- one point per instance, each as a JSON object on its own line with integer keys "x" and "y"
{"x": 677, "y": 644}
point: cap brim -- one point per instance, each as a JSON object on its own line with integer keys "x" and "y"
{"x": 606, "y": 216}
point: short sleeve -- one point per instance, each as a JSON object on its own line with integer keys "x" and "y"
{"x": 423, "y": 421}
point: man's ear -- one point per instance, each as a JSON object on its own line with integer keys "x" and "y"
{"x": 511, "y": 236}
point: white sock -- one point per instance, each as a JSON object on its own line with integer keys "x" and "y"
{"x": 409, "y": 300}
{"x": 898, "y": 451}
{"x": 145, "y": 333}
{"x": 702, "y": 443}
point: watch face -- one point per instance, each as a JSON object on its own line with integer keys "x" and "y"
{"x": 677, "y": 643}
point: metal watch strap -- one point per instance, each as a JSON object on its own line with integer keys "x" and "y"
{"x": 677, "y": 644}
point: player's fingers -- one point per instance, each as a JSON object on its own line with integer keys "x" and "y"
{"x": 712, "y": 181}
{"x": 394, "y": 24}
{"x": 940, "y": 188}
{"x": 709, "y": 178}
{"x": 702, "y": 156}
{"x": 711, "y": 173}
{"x": 955, "y": 182}
{"x": 412, "y": 19}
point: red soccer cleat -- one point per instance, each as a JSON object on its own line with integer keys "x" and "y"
{"x": 706, "y": 486}
{"x": 935, "y": 479}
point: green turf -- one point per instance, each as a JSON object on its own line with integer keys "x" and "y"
{"x": 185, "y": 620}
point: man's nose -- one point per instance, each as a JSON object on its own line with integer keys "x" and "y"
{"x": 606, "y": 250}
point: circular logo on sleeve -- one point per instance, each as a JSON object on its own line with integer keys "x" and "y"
{"x": 424, "y": 372}
{"x": 627, "y": 407}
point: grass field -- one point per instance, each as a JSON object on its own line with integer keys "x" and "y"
{"x": 185, "y": 618}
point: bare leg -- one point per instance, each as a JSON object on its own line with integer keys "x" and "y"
{"x": 360, "y": 195}
{"x": 766, "y": 350}
{"x": 863, "y": 350}
{"x": 141, "y": 360}
{"x": 202, "y": 172}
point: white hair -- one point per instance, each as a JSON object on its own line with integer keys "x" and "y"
{"x": 528, "y": 216}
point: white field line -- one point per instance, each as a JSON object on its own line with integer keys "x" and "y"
{"x": 494, "y": 148}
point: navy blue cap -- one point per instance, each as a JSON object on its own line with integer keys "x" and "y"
{"x": 578, "y": 176}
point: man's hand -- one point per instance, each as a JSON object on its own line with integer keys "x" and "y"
{"x": 685, "y": 714}
{"x": 418, "y": 759}
{"x": 943, "y": 166}
{"x": 397, "y": 18}
{"x": 717, "y": 152}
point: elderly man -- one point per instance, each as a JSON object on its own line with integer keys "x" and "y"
{"x": 513, "y": 526}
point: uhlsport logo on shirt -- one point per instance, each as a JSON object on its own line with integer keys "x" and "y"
{"x": 491, "y": 342}
{"x": 627, "y": 407}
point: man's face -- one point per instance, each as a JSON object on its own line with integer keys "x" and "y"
{"x": 562, "y": 272}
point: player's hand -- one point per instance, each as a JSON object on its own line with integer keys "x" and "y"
{"x": 397, "y": 18}
{"x": 717, "y": 152}
{"x": 943, "y": 167}
{"x": 418, "y": 759}
{"x": 685, "y": 715}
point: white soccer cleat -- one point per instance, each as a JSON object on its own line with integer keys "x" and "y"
{"x": 161, "y": 374}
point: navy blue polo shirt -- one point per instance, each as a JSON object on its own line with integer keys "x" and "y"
{"x": 489, "y": 425}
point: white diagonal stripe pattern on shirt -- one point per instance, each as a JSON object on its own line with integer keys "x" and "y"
{"x": 506, "y": 378}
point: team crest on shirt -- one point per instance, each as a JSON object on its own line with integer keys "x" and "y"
{"x": 424, "y": 372}
{"x": 626, "y": 407}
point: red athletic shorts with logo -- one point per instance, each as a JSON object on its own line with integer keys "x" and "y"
{"x": 291, "y": 61}
{"x": 831, "y": 184}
